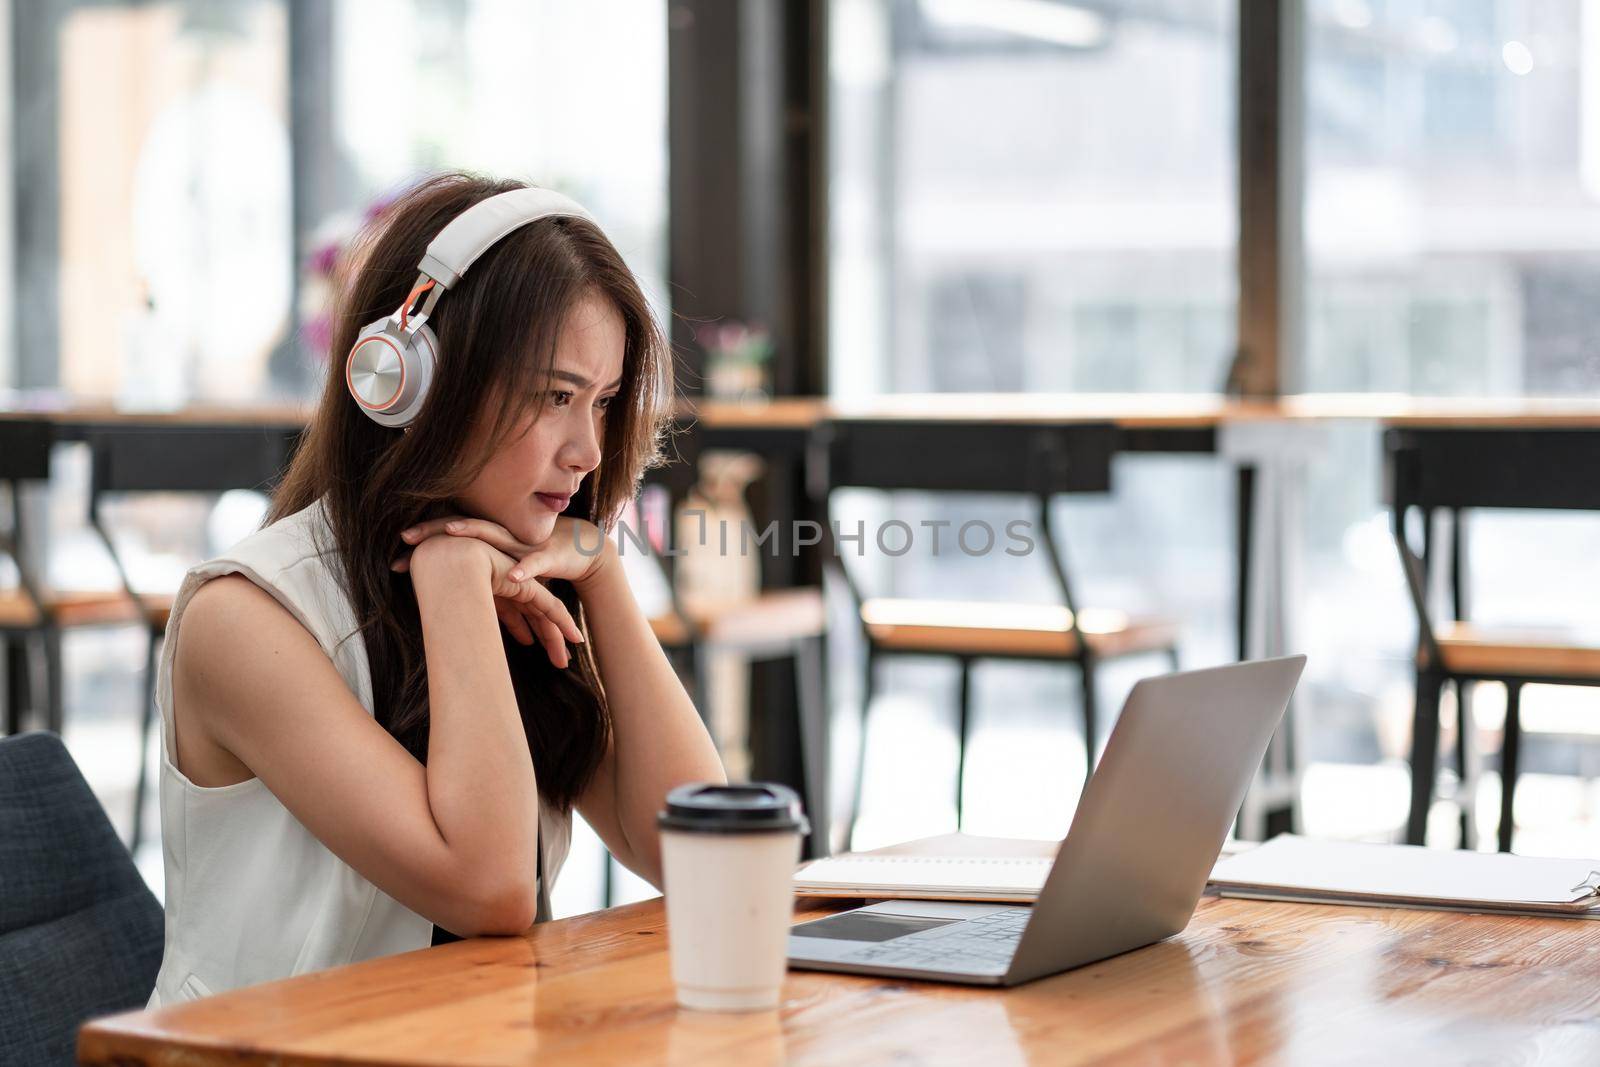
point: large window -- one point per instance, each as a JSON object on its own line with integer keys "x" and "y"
{"x": 174, "y": 245}
{"x": 1452, "y": 196}
{"x": 175, "y": 254}
{"x": 1031, "y": 195}
{"x": 569, "y": 96}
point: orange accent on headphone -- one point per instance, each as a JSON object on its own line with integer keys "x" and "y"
{"x": 405, "y": 309}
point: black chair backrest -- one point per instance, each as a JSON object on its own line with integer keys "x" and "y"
{"x": 24, "y": 457}
{"x": 25, "y": 449}
{"x": 1039, "y": 460}
{"x": 968, "y": 457}
{"x": 1456, "y": 468}
{"x": 187, "y": 458}
{"x": 80, "y": 933}
{"x": 1490, "y": 468}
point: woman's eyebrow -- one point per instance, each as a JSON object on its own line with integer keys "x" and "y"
{"x": 579, "y": 380}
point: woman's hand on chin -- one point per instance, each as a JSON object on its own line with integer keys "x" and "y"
{"x": 576, "y": 551}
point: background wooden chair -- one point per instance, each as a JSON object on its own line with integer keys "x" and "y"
{"x": 1037, "y": 462}
{"x": 172, "y": 459}
{"x": 1429, "y": 470}
{"x": 33, "y": 616}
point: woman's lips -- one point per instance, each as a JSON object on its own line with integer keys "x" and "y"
{"x": 556, "y": 502}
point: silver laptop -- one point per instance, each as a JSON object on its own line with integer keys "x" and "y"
{"x": 1134, "y": 862}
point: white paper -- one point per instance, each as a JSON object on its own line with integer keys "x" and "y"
{"x": 1382, "y": 872}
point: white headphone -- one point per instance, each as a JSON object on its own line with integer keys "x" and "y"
{"x": 391, "y": 365}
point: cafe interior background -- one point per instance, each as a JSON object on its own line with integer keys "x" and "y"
{"x": 1008, "y": 196}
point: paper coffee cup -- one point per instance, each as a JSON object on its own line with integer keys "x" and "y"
{"x": 728, "y": 855}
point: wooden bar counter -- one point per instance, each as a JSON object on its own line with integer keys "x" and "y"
{"x": 1246, "y": 983}
{"x": 1129, "y": 411}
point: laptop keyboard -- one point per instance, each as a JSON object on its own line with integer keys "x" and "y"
{"x": 984, "y": 945}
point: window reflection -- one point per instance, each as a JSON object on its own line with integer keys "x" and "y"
{"x": 1019, "y": 204}
{"x": 1452, "y": 197}
{"x": 175, "y": 238}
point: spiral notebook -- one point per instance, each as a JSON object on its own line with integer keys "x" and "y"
{"x": 1007, "y": 881}
{"x": 1302, "y": 870}
{"x": 949, "y": 867}
{"x": 1002, "y": 870}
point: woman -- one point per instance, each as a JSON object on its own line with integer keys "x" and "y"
{"x": 380, "y": 710}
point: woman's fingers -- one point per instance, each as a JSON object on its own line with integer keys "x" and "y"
{"x": 537, "y": 627}
{"x": 527, "y": 625}
{"x": 547, "y": 604}
{"x": 530, "y": 566}
{"x": 554, "y": 646}
{"x": 515, "y": 623}
{"x": 529, "y": 611}
{"x": 459, "y": 526}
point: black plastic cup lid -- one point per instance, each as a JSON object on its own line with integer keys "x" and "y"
{"x": 749, "y": 808}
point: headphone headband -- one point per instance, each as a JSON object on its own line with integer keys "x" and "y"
{"x": 474, "y": 231}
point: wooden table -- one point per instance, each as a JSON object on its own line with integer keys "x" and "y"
{"x": 1246, "y": 983}
{"x": 1129, "y": 411}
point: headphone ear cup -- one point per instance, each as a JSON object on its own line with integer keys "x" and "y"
{"x": 423, "y": 361}
{"x": 388, "y": 371}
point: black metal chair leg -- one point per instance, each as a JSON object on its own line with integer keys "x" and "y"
{"x": 963, "y": 717}
{"x": 869, "y": 674}
{"x": 1174, "y": 660}
{"x": 811, "y": 686}
{"x": 1424, "y": 753}
{"x": 1463, "y": 762}
{"x": 54, "y": 695}
{"x": 146, "y": 717}
{"x": 1508, "y": 762}
{"x": 17, "y": 695}
{"x": 36, "y": 679}
{"x": 608, "y": 878}
{"x": 55, "y": 688}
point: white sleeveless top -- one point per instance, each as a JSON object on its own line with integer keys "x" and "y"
{"x": 251, "y": 895}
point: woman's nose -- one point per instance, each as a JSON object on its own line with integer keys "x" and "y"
{"x": 583, "y": 449}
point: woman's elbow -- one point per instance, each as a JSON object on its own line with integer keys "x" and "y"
{"x": 508, "y": 906}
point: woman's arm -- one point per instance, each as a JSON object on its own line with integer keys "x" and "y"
{"x": 455, "y": 841}
{"x": 658, "y": 740}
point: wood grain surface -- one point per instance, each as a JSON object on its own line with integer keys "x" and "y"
{"x": 1247, "y": 983}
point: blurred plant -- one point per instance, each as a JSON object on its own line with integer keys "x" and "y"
{"x": 734, "y": 342}
{"x": 319, "y": 275}
{"x": 736, "y": 359}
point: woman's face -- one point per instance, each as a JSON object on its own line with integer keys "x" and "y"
{"x": 529, "y": 480}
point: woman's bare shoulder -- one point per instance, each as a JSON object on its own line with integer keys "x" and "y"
{"x": 232, "y": 590}
{"x": 231, "y": 622}
{"x": 239, "y": 655}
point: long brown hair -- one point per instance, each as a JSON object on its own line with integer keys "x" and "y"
{"x": 497, "y": 331}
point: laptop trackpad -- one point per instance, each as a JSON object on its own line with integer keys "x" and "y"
{"x": 863, "y": 925}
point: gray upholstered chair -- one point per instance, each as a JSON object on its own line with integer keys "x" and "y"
{"x": 80, "y": 932}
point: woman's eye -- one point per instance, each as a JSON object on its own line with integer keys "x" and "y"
{"x": 604, "y": 402}
{"x": 560, "y": 398}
